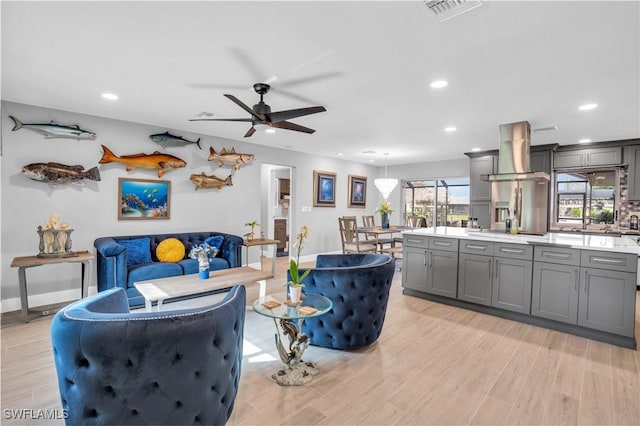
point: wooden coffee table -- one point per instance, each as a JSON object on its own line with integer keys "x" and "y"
{"x": 161, "y": 289}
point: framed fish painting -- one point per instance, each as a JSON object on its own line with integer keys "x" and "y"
{"x": 144, "y": 199}
{"x": 324, "y": 189}
{"x": 357, "y": 191}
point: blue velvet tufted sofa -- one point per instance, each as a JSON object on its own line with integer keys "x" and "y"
{"x": 116, "y": 268}
{"x": 358, "y": 285}
{"x": 176, "y": 367}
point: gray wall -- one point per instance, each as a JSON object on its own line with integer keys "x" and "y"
{"x": 91, "y": 210}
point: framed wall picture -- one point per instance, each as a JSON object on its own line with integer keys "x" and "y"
{"x": 324, "y": 189}
{"x": 357, "y": 191}
{"x": 144, "y": 199}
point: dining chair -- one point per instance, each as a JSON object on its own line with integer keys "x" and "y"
{"x": 350, "y": 237}
{"x": 369, "y": 222}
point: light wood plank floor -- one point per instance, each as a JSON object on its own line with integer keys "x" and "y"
{"x": 433, "y": 364}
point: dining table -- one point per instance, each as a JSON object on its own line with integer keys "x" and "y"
{"x": 377, "y": 231}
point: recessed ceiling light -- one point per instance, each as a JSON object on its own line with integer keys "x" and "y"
{"x": 270, "y": 131}
{"x": 476, "y": 149}
{"x": 368, "y": 152}
{"x": 110, "y": 96}
{"x": 450, "y": 129}
{"x": 586, "y": 107}
{"x": 584, "y": 141}
{"x": 340, "y": 154}
{"x": 438, "y": 84}
{"x": 372, "y": 161}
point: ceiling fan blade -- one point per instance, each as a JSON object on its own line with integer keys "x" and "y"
{"x": 279, "y": 116}
{"x": 219, "y": 86}
{"x": 309, "y": 79}
{"x": 222, "y": 119}
{"x": 292, "y": 95}
{"x": 244, "y": 107}
{"x": 250, "y": 132}
{"x": 292, "y": 126}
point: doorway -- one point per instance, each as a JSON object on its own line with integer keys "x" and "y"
{"x": 276, "y": 205}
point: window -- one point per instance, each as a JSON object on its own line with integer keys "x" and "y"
{"x": 438, "y": 202}
{"x": 584, "y": 198}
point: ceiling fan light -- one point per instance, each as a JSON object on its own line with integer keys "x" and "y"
{"x": 385, "y": 186}
{"x": 260, "y": 126}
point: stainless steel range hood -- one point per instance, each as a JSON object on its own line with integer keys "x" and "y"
{"x": 513, "y": 157}
{"x": 516, "y": 191}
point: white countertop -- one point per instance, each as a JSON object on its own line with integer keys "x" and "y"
{"x": 572, "y": 240}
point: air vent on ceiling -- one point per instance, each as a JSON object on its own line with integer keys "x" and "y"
{"x": 546, "y": 129}
{"x": 447, "y": 9}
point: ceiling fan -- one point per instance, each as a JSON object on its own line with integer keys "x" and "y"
{"x": 261, "y": 114}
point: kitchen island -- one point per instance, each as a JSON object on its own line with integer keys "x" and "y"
{"x": 579, "y": 284}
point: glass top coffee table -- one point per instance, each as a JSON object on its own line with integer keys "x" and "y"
{"x": 290, "y": 317}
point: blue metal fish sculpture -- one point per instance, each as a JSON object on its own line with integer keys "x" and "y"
{"x": 52, "y": 130}
{"x": 167, "y": 139}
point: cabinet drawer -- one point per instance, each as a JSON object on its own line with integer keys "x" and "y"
{"x": 563, "y": 256}
{"x": 513, "y": 251}
{"x": 476, "y": 247}
{"x": 609, "y": 260}
{"x": 445, "y": 244}
{"x": 421, "y": 241}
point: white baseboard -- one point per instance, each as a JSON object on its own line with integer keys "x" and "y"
{"x": 35, "y": 300}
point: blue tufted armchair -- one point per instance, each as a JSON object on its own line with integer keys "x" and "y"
{"x": 158, "y": 368}
{"x": 358, "y": 285}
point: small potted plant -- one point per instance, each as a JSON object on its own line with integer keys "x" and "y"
{"x": 253, "y": 225}
{"x": 295, "y": 283}
{"x": 385, "y": 210}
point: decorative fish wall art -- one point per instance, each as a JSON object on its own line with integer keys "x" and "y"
{"x": 55, "y": 173}
{"x": 156, "y": 161}
{"x": 167, "y": 139}
{"x": 213, "y": 181}
{"x": 229, "y": 157}
{"x": 52, "y": 130}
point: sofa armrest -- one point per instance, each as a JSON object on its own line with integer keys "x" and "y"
{"x": 230, "y": 250}
{"x": 111, "y": 261}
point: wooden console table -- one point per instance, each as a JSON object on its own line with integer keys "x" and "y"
{"x": 22, "y": 263}
{"x": 263, "y": 242}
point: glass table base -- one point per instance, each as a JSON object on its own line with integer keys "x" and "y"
{"x": 298, "y": 375}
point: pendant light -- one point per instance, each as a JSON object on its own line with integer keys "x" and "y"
{"x": 385, "y": 185}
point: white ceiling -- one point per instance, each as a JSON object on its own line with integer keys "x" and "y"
{"x": 368, "y": 63}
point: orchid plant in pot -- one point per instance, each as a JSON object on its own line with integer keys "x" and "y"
{"x": 253, "y": 224}
{"x": 295, "y": 283}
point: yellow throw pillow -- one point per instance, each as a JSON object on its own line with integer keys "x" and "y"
{"x": 170, "y": 250}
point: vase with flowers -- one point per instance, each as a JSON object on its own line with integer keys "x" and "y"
{"x": 385, "y": 210}
{"x": 203, "y": 253}
{"x": 295, "y": 284}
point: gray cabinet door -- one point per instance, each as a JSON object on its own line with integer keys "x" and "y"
{"x": 540, "y": 161}
{"x": 475, "y": 278}
{"x": 482, "y": 211}
{"x": 633, "y": 193}
{"x": 512, "y": 285}
{"x": 564, "y": 159}
{"x": 603, "y": 156}
{"x": 554, "y": 292}
{"x": 414, "y": 271}
{"x": 443, "y": 273}
{"x": 479, "y": 166}
{"x": 607, "y": 301}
